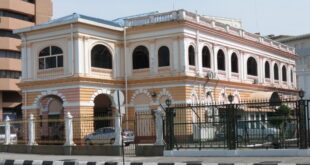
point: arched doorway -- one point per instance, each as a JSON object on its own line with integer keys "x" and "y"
{"x": 102, "y": 111}
{"x": 52, "y": 115}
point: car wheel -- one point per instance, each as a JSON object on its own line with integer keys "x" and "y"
{"x": 112, "y": 141}
{"x": 270, "y": 138}
{"x": 88, "y": 142}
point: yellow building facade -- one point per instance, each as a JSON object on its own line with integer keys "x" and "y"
{"x": 75, "y": 64}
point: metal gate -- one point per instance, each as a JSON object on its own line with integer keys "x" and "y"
{"x": 282, "y": 124}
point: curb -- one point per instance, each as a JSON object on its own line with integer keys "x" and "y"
{"x": 41, "y": 162}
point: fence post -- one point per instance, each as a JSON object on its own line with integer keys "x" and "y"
{"x": 231, "y": 126}
{"x": 7, "y": 139}
{"x": 159, "y": 127}
{"x": 69, "y": 130}
{"x": 170, "y": 127}
{"x": 31, "y": 131}
{"x": 118, "y": 130}
{"x": 303, "y": 140}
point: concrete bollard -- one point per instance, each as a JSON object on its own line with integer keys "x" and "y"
{"x": 69, "y": 130}
{"x": 7, "y": 139}
{"x": 118, "y": 131}
{"x": 159, "y": 127}
{"x": 31, "y": 131}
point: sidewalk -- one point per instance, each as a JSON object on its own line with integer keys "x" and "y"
{"x": 188, "y": 160}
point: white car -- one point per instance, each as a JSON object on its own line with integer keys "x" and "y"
{"x": 106, "y": 135}
{"x": 2, "y": 135}
{"x": 256, "y": 130}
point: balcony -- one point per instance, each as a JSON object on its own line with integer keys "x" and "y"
{"x": 13, "y": 23}
{"x": 10, "y": 64}
{"x": 9, "y": 43}
{"x": 18, "y": 6}
{"x": 7, "y": 84}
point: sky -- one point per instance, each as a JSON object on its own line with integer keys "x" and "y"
{"x": 278, "y": 17}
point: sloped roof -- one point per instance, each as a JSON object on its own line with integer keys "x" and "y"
{"x": 75, "y": 15}
{"x": 73, "y": 18}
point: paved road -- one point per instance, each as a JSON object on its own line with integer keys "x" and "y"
{"x": 299, "y": 160}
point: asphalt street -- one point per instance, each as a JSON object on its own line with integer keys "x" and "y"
{"x": 287, "y": 160}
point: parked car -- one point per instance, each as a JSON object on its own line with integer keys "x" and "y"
{"x": 256, "y": 130}
{"x": 106, "y": 135}
{"x": 251, "y": 130}
{"x": 13, "y": 135}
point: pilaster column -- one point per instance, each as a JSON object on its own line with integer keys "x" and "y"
{"x": 215, "y": 59}
{"x": 229, "y": 52}
{"x": 272, "y": 72}
{"x": 240, "y": 66}
{"x": 79, "y": 55}
{"x": 183, "y": 56}
{"x": 128, "y": 61}
{"x": 280, "y": 75}
{"x": 174, "y": 60}
{"x": 198, "y": 54}
{"x": 117, "y": 62}
{"x": 259, "y": 69}
{"x": 153, "y": 59}
{"x": 86, "y": 55}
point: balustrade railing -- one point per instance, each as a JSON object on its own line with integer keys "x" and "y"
{"x": 189, "y": 16}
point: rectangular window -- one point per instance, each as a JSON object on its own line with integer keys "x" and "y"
{"x": 50, "y": 62}
{"x": 41, "y": 63}
{"x": 60, "y": 61}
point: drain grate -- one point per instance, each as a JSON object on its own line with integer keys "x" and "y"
{"x": 268, "y": 163}
{"x": 193, "y": 162}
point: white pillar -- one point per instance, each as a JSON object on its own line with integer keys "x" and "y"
{"x": 69, "y": 130}
{"x": 31, "y": 131}
{"x": 174, "y": 60}
{"x": 159, "y": 127}
{"x": 7, "y": 139}
{"x": 118, "y": 130}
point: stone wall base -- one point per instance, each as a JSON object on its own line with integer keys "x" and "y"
{"x": 63, "y": 150}
{"x": 150, "y": 150}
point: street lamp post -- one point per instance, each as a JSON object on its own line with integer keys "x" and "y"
{"x": 230, "y": 98}
{"x": 301, "y": 94}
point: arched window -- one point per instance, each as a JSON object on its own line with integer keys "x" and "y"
{"x": 234, "y": 63}
{"x": 206, "y": 57}
{"x": 101, "y": 57}
{"x": 191, "y": 55}
{"x": 276, "y": 72}
{"x": 252, "y": 66}
{"x": 220, "y": 60}
{"x": 163, "y": 56}
{"x": 284, "y": 77}
{"x": 267, "y": 70}
{"x": 140, "y": 58}
{"x": 51, "y": 57}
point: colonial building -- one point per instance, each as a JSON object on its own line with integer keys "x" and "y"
{"x": 74, "y": 64}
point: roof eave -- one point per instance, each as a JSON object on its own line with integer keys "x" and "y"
{"x": 60, "y": 23}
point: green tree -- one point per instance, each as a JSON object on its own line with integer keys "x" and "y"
{"x": 279, "y": 119}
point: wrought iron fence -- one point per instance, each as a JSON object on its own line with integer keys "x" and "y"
{"x": 259, "y": 124}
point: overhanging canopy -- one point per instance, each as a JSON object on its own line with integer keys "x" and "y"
{"x": 272, "y": 97}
